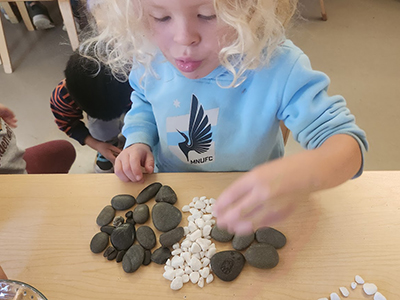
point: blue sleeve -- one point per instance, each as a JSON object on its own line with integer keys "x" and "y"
{"x": 311, "y": 115}
{"x": 139, "y": 125}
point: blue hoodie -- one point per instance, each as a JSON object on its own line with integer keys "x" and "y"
{"x": 198, "y": 125}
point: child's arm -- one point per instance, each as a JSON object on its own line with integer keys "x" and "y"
{"x": 270, "y": 191}
{"x": 132, "y": 161}
{"x": 109, "y": 151}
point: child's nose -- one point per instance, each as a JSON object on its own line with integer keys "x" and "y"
{"x": 187, "y": 36}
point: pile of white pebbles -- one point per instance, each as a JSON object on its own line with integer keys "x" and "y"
{"x": 191, "y": 258}
{"x": 369, "y": 289}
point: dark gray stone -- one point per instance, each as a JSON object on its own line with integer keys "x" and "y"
{"x": 123, "y": 236}
{"x": 141, "y": 213}
{"x": 147, "y": 257}
{"x": 165, "y": 216}
{"x": 227, "y": 265}
{"x": 130, "y": 221}
{"x": 146, "y": 237}
{"x": 133, "y": 258}
{"x": 271, "y": 236}
{"x": 123, "y": 201}
{"x": 148, "y": 192}
{"x": 106, "y": 216}
{"x": 129, "y": 214}
{"x": 99, "y": 242}
{"x": 107, "y": 229}
{"x": 221, "y": 235}
{"x": 171, "y": 237}
{"x": 120, "y": 255}
{"x": 262, "y": 256}
{"x": 166, "y": 194}
{"x": 110, "y": 253}
{"x": 161, "y": 255}
{"x": 241, "y": 242}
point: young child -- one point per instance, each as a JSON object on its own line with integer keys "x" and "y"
{"x": 46, "y": 158}
{"x": 212, "y": 81}
{"x": 89, "y": 87}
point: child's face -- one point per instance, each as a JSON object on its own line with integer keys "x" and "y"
{"x": 188, "y": 34}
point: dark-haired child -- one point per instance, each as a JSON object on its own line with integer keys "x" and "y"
{"x": 91, "y": 88}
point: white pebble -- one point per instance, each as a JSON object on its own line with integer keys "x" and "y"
{"x": 202, "y": 198}
{"x": 205, "y": 272}
{"x": 186, "y": 208}
{"x": 323, "y": 299}
{"x": 185, "y": 278}
{"x": 199, "y": 205}
{"x": 344, "y": 291}
{"x": 379, "y": 296}
{"x": 179, "y": 273}
{"x": 194, "y": 277}
{"x": 195, "y": 235}
{"x": 168, "y": 262}
{"x": 168, "y": 268}
{"x": 186, "y": 256}
{"x": 207, "y": 217}
{"x": 197, "y": 215}
{"x": 190, "y": 218}
{"x": 177, "y": 283}
{"x": 353, "y": 285}
{"x": 195, "y": 248}
{"x": 188, "y": 270}
{"x": 193, "y": 210}
{"x": 212, "y": 200}
{"x": 176, "y": 252}
{"x": 186, "y": 230}
{"x": 170, "y": 275}
{"x": 203, "y": 243}
{"x": 195, "y": 263}
{"x": 186, "y": 243}
{"x": 200, "y": 283}
{"x": 175, "y": 246}
{"x": 359, "y": 279}
{"x": 177, "y": 261}
{"x": 370, "y": 288}
{"x": 206, "y": 230}
{"x": 335, "y": 296}
{"x": 199, "y": 223}
{"x": 209, "y": 209}
{"x": 210, "y": 278}
{"x": 211, "y": 252}
{"x": 205, "y": 261}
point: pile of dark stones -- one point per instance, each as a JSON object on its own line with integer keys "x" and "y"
{"x": 123, "y": 232}
{"x": 259, "y": 251}
{"x": 260, "y": 248}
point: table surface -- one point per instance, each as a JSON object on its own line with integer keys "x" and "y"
{"x": 47, "y": 222}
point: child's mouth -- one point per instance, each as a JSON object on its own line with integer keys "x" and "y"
{"x": 187, "y": 66}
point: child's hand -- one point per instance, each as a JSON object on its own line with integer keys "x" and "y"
{"x": 129, "y": 163}
{"x": 109, "y": 151}
{"x": 258, "y": 198}
{"x": 8, "y": 116}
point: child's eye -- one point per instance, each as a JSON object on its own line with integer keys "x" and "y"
{"x": 163, "y": 19}
{"x": 207, "y": 18}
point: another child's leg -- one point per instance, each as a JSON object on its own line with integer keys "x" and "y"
{"x": 105, "y": 131}
{"x": 51, "y": 157}
{"x": 39, "y": 15}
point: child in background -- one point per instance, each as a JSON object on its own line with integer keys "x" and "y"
{"x": 212, "y": 79}
{"x": 90, "y": 87}
{"x": 46, "y": 158}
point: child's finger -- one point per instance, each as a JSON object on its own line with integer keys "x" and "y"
{"x": 119, "y": 171}
{"x": 232, "y": 194}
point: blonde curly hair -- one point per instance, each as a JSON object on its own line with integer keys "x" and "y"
{"x": 118, "y": 34}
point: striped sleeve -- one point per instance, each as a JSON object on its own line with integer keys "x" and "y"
{"x": 68, "y": 115}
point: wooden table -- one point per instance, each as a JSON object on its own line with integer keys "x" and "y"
{"x": 47, "y": 222}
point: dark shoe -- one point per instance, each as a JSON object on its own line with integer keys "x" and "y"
{"x": 103, "y": 165}
{"x": 40, "y": 16}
